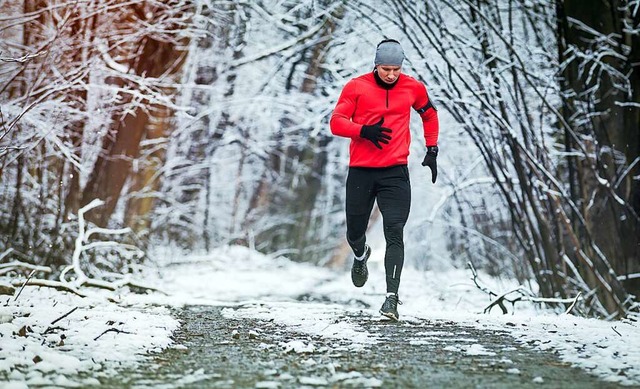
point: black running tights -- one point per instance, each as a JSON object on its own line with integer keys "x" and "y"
{"x": 391, "y": 188}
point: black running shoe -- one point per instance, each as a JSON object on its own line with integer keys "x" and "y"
{"x": 359, "y": 272}
{"x": 390, "y": 307}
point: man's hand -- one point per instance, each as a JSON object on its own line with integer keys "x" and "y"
{"x": 376, "y": 133}
{"x": 430, "y": 160}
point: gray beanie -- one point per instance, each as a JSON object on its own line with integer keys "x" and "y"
{"x": 389, "y": 52}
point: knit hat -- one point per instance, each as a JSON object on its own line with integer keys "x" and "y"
{"x": 389, "y": 52}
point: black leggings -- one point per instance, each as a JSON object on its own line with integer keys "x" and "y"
{"x": 391, "y": 188}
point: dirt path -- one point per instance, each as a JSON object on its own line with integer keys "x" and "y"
{"x": 218, "y": 352}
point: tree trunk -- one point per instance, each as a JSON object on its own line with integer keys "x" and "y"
{"x": 83, "y": 28}
{"x": 121, "y": 146}
{"x": 612, "y": 98}
{"x": 146, "y": 179}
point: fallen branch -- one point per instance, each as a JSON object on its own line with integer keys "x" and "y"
{"x": 475, "y": 280}
{"x": 111, "y": 285}
{"x": 18, "y": 265}
{"x": 111, "y": 330}
{"x": 573, "y": 304}
{"x": 82, "y": 245}
{"x": 499, "y": 301}
{"x": 23, "y": 284}
{"x": 524, "y": 295}
{"x": 50, "y": 330}
{"x": 50, "y": 284}
{"x": 81, "y": 278}
{"x": 63, "y": 316}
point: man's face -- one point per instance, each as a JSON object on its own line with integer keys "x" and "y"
{"x": 389, "y": 73}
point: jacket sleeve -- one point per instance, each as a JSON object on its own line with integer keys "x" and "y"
{"x": 341, "y": 123}
{"x": 428, "y": 114}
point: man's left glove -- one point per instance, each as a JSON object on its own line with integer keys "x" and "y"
{"x": 430, "y": 160}
{"x": 376, "y": 133}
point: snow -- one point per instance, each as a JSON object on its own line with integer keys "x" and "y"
{"x": 101, "y": 336}
{"x": 297, "y": 346}
{"x": 538, "y": 380}
{"x": 33, "y": 348}
{"x": 477, "y": 349}
{"x": 267, "y": 384}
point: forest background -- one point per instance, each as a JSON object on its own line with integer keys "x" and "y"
{"x": 204, "y": 123}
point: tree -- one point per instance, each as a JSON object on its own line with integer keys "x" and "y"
{"x": 598, "y": 49}
{"x": 248, "y": 161}
{"x": 67, "y": 64}
{"x": 154, "y": 56}
{"x": 292, "y": 182}
{"x": 44, "y": 95}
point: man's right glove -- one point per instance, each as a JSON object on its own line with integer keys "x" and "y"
{"x": 430, "y": 160}
{"x": 376, "y": 133}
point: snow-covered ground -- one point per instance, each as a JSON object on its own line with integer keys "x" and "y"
{"x": 100, "y": 336}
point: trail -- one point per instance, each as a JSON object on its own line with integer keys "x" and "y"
{"x": 219, "y": 347}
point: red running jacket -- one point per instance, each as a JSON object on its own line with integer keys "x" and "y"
{"x": 363, "y": 102}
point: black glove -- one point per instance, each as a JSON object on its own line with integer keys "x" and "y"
{"x": 430, "y": 160}
{"x": 376, "y": 133}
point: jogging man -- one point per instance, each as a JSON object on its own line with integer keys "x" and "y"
{"x": 374, "y": 111}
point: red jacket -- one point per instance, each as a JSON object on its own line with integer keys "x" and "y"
{"x": 363, "y": 102}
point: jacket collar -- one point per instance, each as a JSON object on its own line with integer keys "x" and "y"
{"x": 383, "y": 84}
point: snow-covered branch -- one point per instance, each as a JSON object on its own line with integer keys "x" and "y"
{"x": 22, "y": 266}
{"x": 519, "y": 293}
{"x": 25, "y": 58}
{"x": 82, "y": 244}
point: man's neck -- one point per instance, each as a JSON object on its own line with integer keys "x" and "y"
{"x": 383, "y": 84}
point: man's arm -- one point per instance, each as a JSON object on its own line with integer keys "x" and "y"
{"x": 429, "y": 115}
{"x": 340, "y": 123}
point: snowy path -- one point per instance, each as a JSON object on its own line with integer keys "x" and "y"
{"x": 243, "y": 319}
{"x": 220, "y": 347}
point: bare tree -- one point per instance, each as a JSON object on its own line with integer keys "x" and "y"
{"x": 152, "y": 58}
{"x": 45, "y": 50}
{"x": 292, "y": 180}
{"x": 598, "y": 53}
{"x": 496, "y": 66}
{"x": 250, "y": 158}
{"x": 80, "y": 93}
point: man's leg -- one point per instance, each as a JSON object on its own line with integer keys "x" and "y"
{"x": 394, "y": 200}
{"x": 359, "y": 203}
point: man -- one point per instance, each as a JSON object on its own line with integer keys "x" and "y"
{"x": 374, "y": 111}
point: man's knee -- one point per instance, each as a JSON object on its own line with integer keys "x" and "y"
{"x": 393, "y": 233}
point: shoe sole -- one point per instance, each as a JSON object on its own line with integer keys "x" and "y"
{"x": 389, "y": 315}
{"x": 358, "y": 286}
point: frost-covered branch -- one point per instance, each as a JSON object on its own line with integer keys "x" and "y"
{"x": 63, "y": 286}
{"x": 82, "y": 245}
{"x": 25, "y": 58}
{"x": 519, "y": 293}
{"x": 22, "y": 266}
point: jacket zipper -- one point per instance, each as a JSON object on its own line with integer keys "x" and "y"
{"x": 387, "y": 98}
